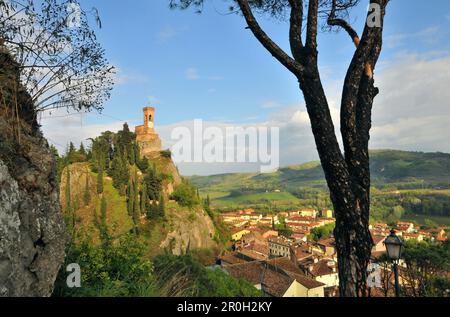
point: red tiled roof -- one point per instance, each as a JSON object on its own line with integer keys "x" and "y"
{"x": 231, "y": 258}
{"x": 321, "y": 268}
{"x": 276, "y": 281}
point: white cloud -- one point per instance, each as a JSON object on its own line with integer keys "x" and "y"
{"x": 167, "y": 33}
{"x": 270, "y": 104}
{"x": 429, "y": 35}
{"x": 123, "y": 77}
{"x": 192, "y": 74}
{"x": 62, "y": 127}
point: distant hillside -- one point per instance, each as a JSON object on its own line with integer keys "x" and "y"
{"x": 304, "y": 185}
{"x": 399, "y": 169}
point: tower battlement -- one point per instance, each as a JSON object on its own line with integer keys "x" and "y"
{"x": 146, "y": 136}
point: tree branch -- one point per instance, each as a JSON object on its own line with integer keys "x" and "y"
{"x": 295, "y": 31}
{"x": 333, "y": 21}
{"x": 311, "y": 31}
{"x": 292, "y": 65}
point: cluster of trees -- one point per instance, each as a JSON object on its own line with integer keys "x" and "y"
{"x": 425, "y": 270}
{"x": 117, "y": 155}
{"x": 123, "y": 269}
{"x": 114, "y": 269}
{"x": 134, "y": 177}
{"x": 322, "y": 232}
{"x": 186, "y": 195}
{"x": 391, "y": 207}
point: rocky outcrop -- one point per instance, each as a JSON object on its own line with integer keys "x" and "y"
{"x": 32, "y": 229}
{"x": 190, "y": 229}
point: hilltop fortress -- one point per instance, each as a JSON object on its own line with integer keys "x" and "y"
{"x": 146, "y": 136}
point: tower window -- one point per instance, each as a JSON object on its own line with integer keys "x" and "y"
{"x": 150, "y": 118}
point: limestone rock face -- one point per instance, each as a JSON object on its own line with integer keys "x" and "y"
{"x": 32, "y": 229}
{"x": 190, "y": 230}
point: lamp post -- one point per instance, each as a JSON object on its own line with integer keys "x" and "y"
{"x": 394, "y": 246}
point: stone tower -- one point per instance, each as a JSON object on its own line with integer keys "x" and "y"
{"x": 146, "y": 136}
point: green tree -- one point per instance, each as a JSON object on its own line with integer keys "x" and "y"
{"x": 119, "y": 269}
{"x": 103, "y": 227}
{"x": 100, "y": 179}
{"x": 153, "y": 183}
{"x": 186, "y": 195}
{"x": 120, "y": 172}
{"x": 68, "y": 192}
{"x": 82, "y": 150}
{"x": 136, "y": 206}
{"x": 323, "y": 231}
{"x": 130, "y": 197}
{"x": 87, "y": 192}
{"x": 144, "y": 199}
{"x": 161, "y": 207}
{"x": 427, "y": 265}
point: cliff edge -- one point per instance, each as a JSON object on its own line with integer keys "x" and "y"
{"x": 32, "y": 229}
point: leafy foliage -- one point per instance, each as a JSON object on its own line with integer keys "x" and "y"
{"x": 183, "y": 276}
{"x": 426, "y": 270}
{"x": 186, "y": 195}
{"x": 119, "y": 269}
{"x": 322, "y": 232}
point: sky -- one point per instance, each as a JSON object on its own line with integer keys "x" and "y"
{"x": 208, "y": 66}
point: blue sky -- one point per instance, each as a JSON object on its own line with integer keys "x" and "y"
{"x": 208, "y": 66}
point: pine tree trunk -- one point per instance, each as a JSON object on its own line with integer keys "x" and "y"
{"x": 348, "y": 179}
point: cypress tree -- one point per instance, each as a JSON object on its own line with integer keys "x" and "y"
{"x": 87, "y": 192}
{"x": 67, "y": 192}
{"x": 161, "y": 207}
{"x": 208, "y": 201}
{"x": 104, "y": 234}
{"x": 100, "y": 179}
{"x": 132, "y": 155}
{"x": 130, "y": 197}
{"x": 82, "y": 150}
{"x": 144, "y": 198}
{"x": 136, "y": 210}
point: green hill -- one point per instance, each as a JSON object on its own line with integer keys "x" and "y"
{"x": 403, "y": 183}
{"x": 390, "y": 168}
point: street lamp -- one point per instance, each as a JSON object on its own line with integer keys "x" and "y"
{"x": 394, "y": 248}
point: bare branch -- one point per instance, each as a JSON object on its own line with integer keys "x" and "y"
{"x": 287, "y": 61}
{"x": 333, "y": 21}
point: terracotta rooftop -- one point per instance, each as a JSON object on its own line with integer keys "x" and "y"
{"x": 231, "y": 258}
{"x": 276, "y": 282}
{"x": 327, "y": 242}
{"x": 323, "y": 268}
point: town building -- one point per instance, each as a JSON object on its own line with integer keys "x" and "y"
{"x": 280, "y": 247}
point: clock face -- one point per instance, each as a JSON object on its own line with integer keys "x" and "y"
{"x": 150, "y": 124}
